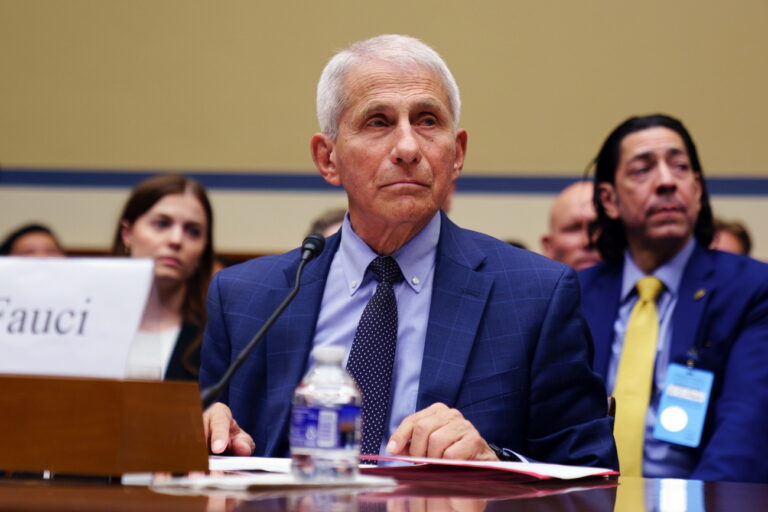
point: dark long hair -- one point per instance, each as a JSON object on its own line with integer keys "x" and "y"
{"x": 142, "y": 199}
{"x": 7, "y": 245}
{"x": 611, "y": 240}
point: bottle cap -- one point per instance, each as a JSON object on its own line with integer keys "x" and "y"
{"x": 329, "y": 354}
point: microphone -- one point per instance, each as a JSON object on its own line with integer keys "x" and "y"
{"x": 310, "y": 248}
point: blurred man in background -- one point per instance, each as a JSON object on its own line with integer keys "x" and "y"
{"x": 732, "y": 237}
{"x": 568, "y": 240}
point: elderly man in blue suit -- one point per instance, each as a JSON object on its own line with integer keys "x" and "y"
{"x": 692, "y": 395}
{"x": 492, "y": 352}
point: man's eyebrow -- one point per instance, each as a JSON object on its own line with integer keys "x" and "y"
{"x": 676, "y": 152}
{"x": 429, "y": 105}
{"x": 642, "y": 156}
{"x": 649, "y": 154}
{"x": 374, "y": 107}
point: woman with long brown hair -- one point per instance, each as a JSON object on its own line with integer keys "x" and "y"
{"x": 168, "y": 218}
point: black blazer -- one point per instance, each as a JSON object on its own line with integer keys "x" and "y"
{"x": 177, "y": 370}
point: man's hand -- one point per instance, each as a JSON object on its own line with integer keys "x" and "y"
{"x": 441, "y": 433}
{"x": 222, "y": 433}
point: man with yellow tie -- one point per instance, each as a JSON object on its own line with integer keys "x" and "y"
{"x": 680, "y": 331}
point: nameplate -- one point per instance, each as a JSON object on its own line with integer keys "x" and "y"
{"x": 70, "y": 316}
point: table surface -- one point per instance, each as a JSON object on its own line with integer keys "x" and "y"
{"x": 627, "y": 494}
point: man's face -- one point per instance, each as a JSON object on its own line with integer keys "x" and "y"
{"x": 726, "y": 241}
{"x": 397, "y": 153}
{"x": 656, "y": 194}
{"x": 568, "y": 240}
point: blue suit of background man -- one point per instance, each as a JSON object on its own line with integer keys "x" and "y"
{"x": 506, "y": 345}
{"x": 722, "y": 315}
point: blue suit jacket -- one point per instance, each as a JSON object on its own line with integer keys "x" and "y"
{"x": 722, "y": 314}
{"x": 506, "y": 344}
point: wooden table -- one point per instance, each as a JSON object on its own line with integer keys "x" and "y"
{"x": 586, "y": 495}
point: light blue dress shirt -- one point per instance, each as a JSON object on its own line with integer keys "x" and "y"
{"x": 660, "y": 459}
{"x": 349, "y": 288}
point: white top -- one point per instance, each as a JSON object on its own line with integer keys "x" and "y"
{"x": 150, "y": 354}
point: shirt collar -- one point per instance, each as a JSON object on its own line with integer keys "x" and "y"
{"x": 416, "y": 258}
{"x": 670, "y": 273}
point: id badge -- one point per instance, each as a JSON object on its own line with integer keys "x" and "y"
{"x": 683, "y": 405}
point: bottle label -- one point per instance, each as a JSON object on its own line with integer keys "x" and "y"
{"x": 333, "y": 428}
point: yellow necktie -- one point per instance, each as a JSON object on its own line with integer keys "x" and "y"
{"x": 633, "y": 380}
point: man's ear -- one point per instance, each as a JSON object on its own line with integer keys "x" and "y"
{"x": 607, "y": 195}
{"x": 461, "y": 152}
{"x": 546, "y": 246}
{"x": 322, "y": 148}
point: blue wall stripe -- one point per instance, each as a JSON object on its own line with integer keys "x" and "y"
{"x": 121, "y": 179}
{"x": 312, "y": 182}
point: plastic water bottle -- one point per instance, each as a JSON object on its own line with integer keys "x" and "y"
{"x": 325, "y": 421}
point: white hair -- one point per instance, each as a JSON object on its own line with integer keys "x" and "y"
{"x": 391, "y": 48}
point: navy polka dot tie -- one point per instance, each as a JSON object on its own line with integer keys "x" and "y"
{"x": 373, "y": 352}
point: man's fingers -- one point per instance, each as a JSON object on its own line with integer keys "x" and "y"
{"x": 399, "y": 440}
{"x": 402, "y": 438}
{"x": 460, "y": 440}
{"x": 434, "y": 430}
{"x": 439, "y": 432}
{"x": 426, "y": 440}
{"x": 412, "y": 436}
{"x": 242, "y": 444}
{"x": 219, "y": 434}
{"x": 218, "y": 424}
{"x": 449, "y": 435}
{"x": 470, "y": 447}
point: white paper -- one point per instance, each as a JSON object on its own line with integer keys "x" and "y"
{"x": 271, "y": 464}
{"x": 268, "y": 480}
{"x": 70, "y": 316}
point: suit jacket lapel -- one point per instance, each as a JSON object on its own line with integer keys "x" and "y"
{"x": 604, "y": 299}
{"x": 459, "y": 296}
{"x": 692, "y": 300}
{"x": 289, "y": 342}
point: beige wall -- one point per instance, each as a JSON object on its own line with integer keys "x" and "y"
{"x": 193, "y": 85}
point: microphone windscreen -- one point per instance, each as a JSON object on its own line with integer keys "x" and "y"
{"x": 312, "y": 246}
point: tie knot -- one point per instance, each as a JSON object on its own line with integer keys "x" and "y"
{"x": 386, "y": 269}
{"x": 648, "y": 288}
